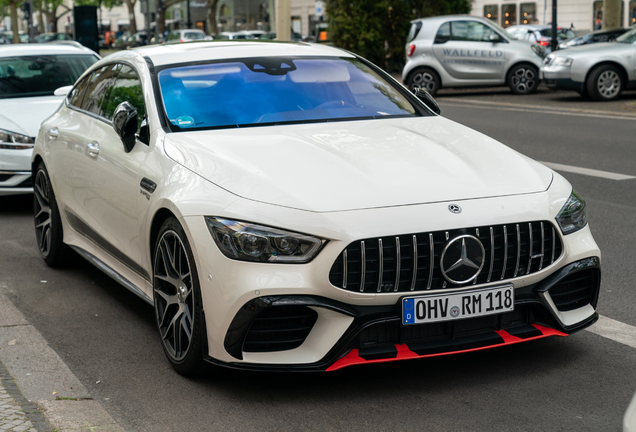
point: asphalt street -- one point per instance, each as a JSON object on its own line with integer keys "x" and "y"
{"x": 584, "y": 382}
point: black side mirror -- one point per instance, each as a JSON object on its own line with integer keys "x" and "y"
{"x": 428, "y": 100}
{"x": 125, "y": 124}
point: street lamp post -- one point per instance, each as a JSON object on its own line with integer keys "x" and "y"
{"x": 189, "y": 24}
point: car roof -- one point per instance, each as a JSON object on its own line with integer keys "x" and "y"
{"x": 230, "y": 49}
{"x": 42, "y": 49}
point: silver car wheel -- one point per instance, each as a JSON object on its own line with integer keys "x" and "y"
{"x": 174, "y": 297}
{"x": 42, "y": 213}
{"x": 423, "y": 80}
{"x": 524, "y": 80}
{"x": 609, "y": 84}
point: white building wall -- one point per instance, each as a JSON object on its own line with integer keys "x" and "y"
{"x": 302, "y": 9}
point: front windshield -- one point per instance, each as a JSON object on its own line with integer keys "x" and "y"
{"x": 265, "y": 91}
{"x": 629, "y": 37}
{"x": 29, "y": 76}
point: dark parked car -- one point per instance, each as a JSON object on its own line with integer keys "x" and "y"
{"x": 594, "y": 37}
{"x": 51, "y": 37}
{"x": 541, "y": 34}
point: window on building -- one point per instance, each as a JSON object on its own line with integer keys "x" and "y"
{"x": 527, "y": 13}
{"x": 491, "y": 12}
{"x": 508, "y": 15}
{"x": 597, "y": 20}
{"x": 632, "y": 13}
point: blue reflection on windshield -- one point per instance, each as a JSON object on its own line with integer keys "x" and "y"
{"x": 263, "y": 91}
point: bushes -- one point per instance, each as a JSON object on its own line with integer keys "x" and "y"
{"x": 377, "y": 29}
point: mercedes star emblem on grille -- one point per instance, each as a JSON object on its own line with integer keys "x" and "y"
{"x": 454, "y": 208}
{"x": 462, "y": 259}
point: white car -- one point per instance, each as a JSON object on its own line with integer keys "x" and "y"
{"x": 467, "y": 51}
{"x": 601, "y": 71}
{"x": 292, "y": 207}
{"x": 187, "y": 35}
{"x": 29, "y": 76}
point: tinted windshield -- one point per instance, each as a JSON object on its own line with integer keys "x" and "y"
{"x": 629, "y": 37}
{"x": 40, "y": 75}
{"x": 263, "y": 91}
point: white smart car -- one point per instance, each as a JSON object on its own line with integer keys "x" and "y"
{"x": 29, "y": 76}
{"x": 288, "y": 206}
{"x": 468, "y": 51}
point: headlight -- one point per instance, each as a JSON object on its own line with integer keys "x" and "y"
{"x": 562, "y": 61}
{"x": 15, "y": 141}
{"x": 572, "y": 216}
{"x": 248, "y": 242}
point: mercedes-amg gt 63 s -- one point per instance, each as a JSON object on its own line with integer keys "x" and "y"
{"x": 293, "y": 207}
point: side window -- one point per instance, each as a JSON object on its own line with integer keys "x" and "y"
{"x": 127, "y": 88}
{"x": 98, "y": 89}
{"x": 77, "y": 94}
{"x": 472, "y": 31}
{"x": 443, "y": 34}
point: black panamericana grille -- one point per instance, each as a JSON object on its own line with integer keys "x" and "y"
{"x": 575, "y": 290}
{"x": 280, "y": 328}
{"x": 412, "y": 262}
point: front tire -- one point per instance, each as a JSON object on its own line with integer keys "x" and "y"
{"x": 604, "y": 83}
{"x": 424, "y": 78}
{"x": 177, "y": 300}
{"x": 523, "y": 79}
{"x": 48, "y": 224}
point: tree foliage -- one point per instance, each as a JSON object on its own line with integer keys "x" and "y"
{"x": 377, "y": 29}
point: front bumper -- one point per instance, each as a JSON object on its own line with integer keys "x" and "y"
{"x": 560, "y": 77}
{"x": 15, "y": 183}
{"x": 559, "y": 305}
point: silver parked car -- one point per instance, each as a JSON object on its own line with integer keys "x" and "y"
{"x": 601, "y": 71}
{"x": 465, "y": 51}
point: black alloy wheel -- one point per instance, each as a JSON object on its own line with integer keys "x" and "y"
{"x": 177, "y": 300}
{"x": 424, "y": 78}
{"x": 523, "y": 79}
{"x": 48, "y": 224}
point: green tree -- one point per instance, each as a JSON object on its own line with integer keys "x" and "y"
{"x": 377, "y": 29}
{"x": 13, "y": 13}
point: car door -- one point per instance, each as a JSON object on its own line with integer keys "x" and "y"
{"x": 464, "y": 49}
{"x": 111, "y": 204}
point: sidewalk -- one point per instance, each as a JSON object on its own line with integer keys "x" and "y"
{"x": 38, "y": 392}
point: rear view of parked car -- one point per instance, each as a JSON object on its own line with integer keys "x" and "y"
{"x": 541, "y": 34}
{"x": 464, "y": 51}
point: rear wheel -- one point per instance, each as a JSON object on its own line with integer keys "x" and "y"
{"x": 424, "y": 78}
{"x": 523, "y": 79}
{"x": 177, "y": 300}
{"x": 48, "y": 224}
{"x": 604, "y": 83}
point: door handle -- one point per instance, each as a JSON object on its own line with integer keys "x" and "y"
{"x": 92, "y": 148}
{"x": 53, "y": 133}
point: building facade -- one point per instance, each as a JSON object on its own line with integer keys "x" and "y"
{"x": 581, "y": 15}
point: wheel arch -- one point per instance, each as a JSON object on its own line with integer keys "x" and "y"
{"x": 161, "y": 215}
{"x": 620, "y": 67}
{"x": 35, "y": 164}
{"x": 519, "y": 63}
{"x": 417, "y": 68}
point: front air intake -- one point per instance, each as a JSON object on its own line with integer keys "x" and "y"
{"x": 280, "y": 328}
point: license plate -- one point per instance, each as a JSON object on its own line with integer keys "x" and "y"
{"x": 466, "y": 304}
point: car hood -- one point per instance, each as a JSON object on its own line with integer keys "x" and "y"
{"x": 597, "y": 49}
{"x": 362, "y": 164}
{"x": 24, "y": 115}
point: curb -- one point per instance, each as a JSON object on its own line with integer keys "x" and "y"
{"x": 30, "y": 409}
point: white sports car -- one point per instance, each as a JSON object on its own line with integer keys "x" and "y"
{"x": 29, "y": 76}
{"x": 292, "y": 207}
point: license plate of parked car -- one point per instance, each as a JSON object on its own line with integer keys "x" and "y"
{"x": 465, "y": 304}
